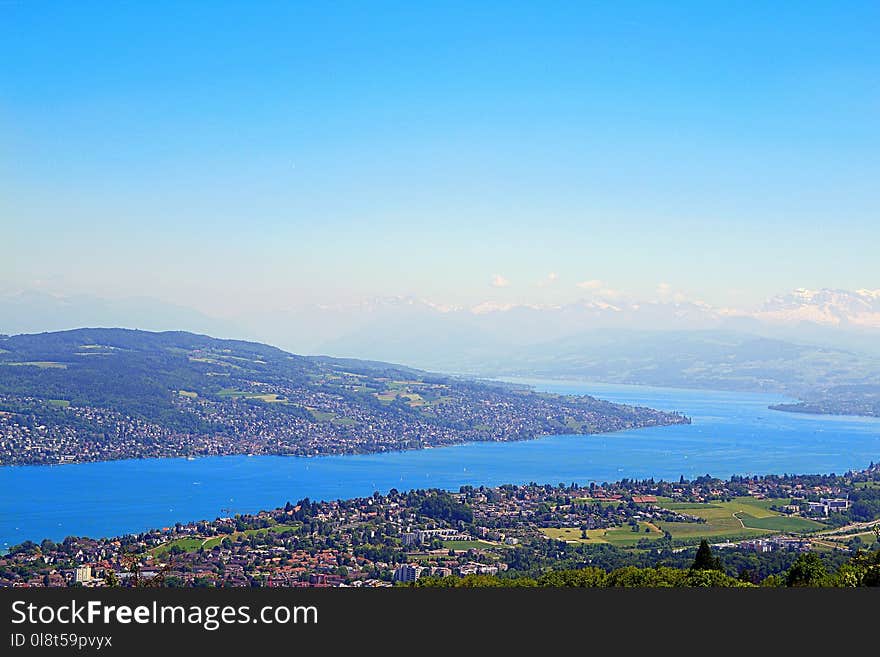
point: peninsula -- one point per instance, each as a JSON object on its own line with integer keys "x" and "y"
{"x": 105, "y": 394}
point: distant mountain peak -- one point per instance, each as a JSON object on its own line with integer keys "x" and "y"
{"x": 376, "y": 304}
{"x": 826, "y": 306}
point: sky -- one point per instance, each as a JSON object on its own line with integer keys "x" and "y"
{"x": 242, "y": 157}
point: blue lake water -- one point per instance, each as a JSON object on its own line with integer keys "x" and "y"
{"x": 732, "y": 433}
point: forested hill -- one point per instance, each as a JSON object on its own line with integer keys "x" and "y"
{"x": 98, "y": 394}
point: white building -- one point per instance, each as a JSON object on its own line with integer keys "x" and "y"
{"x": 420, "y": 536}
{"x": 834, "y": 504}
{"x": 83, "y": 574}
{"x": 474, "y": 568}
{"x": 407, "y": 573}
{"x": 817, "y": 507}
{"x": 757, "y": 545}
{"x": 827, "y": 505}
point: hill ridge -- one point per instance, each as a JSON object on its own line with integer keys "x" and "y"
{"x": 97, "y": 394}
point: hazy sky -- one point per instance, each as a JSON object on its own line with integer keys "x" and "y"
{"x": 231, "y": 156}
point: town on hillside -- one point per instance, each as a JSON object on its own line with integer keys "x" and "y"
{"x": 108, "y": 394}
{"x": 758, "y": 526}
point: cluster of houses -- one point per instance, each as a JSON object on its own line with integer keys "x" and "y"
{"x": 396, "y": 537}
{"x": 322, "y": 416}
{"x": 410, "y": 572}
{"x": 769, "y": 544}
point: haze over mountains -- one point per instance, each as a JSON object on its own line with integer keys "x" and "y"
{"x": 35, "y": 311}
{"x": 840, "y": 318}
{"x": 809, "y": 344}
{"x": 398, "y": 329}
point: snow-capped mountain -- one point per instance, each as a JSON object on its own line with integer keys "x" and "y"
{"x": 430, "y": 333}
{"x": 860, "y": 308}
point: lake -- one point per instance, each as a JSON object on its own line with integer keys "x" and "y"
{"x": 732, "y": 433}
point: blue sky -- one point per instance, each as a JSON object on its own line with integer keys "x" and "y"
{"x": 237, "y": 156}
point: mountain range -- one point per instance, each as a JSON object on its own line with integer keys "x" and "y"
{"x": 834, "y": 317}
{"x": 839, "y": 318}
{"x": 818, "y": 346}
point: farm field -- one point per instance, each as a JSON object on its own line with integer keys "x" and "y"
{"x": 193, "y": 543}
{"x": 868, "y": 539}
{"x": 466, "y": 545}
{"x": 780, "y": 523}
{"x": 741, "y": 518}
{"x": 232, "y": 392}
{"x": 323, "y": 416}
{"x": 270, "y": 398}
{"x": 738, "y": 519}
{"x": 186, "y": 544}
{"x": 275, "y": 529}
{"x": 619, "y": 536}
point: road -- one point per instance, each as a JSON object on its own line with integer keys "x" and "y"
{"x": 854, "y": 528}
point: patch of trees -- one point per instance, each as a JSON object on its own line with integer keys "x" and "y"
{"x": 807, "y": 570}
{"x": 442, "y": 506}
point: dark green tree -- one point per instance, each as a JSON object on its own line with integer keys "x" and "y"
{"x": 807, "y": 570}
{"x": 705, "y": 560}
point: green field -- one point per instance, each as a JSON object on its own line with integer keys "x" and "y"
{"x": 323, "y": 416}
{"x": 461, "y": 546}
{"x": 275, "y": 529}
{"x": 619, "y": 536}
{"x": 780, "y": 523}
{"x": 574, "y": 425}
{"x": 60, "y": 403}
{"x": 42, "y": 364}
{"x": 193, "y": 543}
{"x": 570, "y": 534}
{"x": 399, "y": 390}
{"x": 868, "y": 539}
{"x": 741, "y": 518}
{"x": 188, "y": 393}
{"x": 188, "y": 544}
{"x": 270, "y": 398}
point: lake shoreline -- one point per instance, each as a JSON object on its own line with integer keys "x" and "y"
{"x": 730, "y": 434}
{"x": 198, "y": 457}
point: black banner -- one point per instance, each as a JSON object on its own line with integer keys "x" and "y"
{"x": 127, "y": 620}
